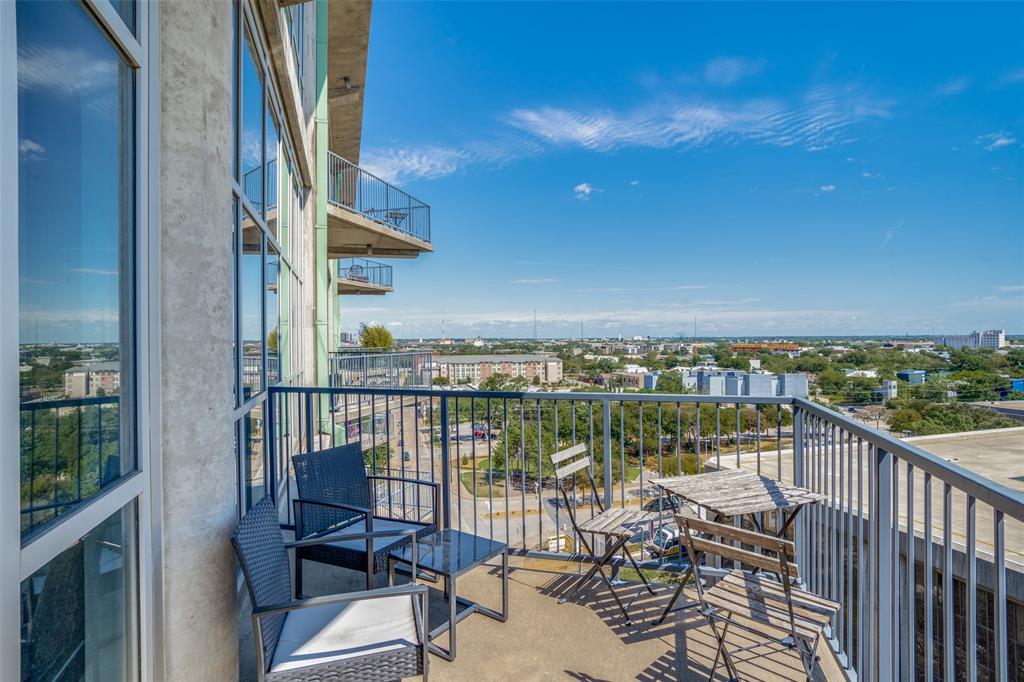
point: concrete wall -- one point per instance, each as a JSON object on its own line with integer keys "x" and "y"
{"x": 199, "y": 488}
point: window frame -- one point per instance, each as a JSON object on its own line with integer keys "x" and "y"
{"x": 134, "y": 487}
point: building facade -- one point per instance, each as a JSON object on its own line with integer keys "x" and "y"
{"x": 178, "y": 181}
{"x": 993, "y": 339}
{"x": 476, "y": 368}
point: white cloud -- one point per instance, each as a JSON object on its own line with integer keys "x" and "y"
{"x": 634, "y": 183}
{"x": 953, "y": 86}
{"x": 425, "y": 161}
{"x": 996, "y": 140}
{"x": 820, "y": 120}
{"x": 1015, "y": 76}
{"x": 394, "y": 323}
{"x": 1010, "y": 287}
{"x": 94, "y": 271}
{"x": 31, "y": 151}
{"x": 725, "y": 71}
{"x": 890, "y": 233}
{"x": 539, "y": 280}
{"x": 827, "y": 188}
{"x": 869, "y": 174}
{"x": 65, "y": 71}
{"x": 584, "y": 190}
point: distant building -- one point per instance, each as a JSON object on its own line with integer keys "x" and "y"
{"x": 887, "y": 391}
{"x": 88, "y": 380}
{"x": 477, "y": 368}
{"x": 861, "y": 373}
{"x": 912, "y": 376}
{"x": 990, "y": 338}
{"x": 754, "y": 384}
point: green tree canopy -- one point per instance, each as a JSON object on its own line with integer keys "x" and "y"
{"x": 376, "y": 336}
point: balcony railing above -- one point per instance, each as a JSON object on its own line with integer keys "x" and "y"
{"x": 362, "y": 271}
{"x": 359, "y": 191}
{"x": 382, "y": 369}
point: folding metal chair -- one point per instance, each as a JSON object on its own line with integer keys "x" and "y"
{"x": 617, "y": 526}
{"x": 767, "y": 606}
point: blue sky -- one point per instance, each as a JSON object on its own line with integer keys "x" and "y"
{"x": 767, "y": 169}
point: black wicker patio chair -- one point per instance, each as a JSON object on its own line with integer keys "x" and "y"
{"x": 371, "y": 635}
{"x": 335, "y": 493}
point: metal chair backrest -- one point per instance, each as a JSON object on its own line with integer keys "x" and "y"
{"x": 571, "y": 463}
{"x": 264, "y": 560}
{"x": 336, "y": 475}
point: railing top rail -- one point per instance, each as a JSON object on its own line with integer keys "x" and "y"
{"x": 378, "y": 179}
{"x": 982, "y": 489}
{"x": 70, "y": 402}
{"x": 546, "y": 395}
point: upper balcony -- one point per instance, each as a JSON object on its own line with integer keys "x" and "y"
{"x": 362, "y": 277}
{"x": 367, "y": 216}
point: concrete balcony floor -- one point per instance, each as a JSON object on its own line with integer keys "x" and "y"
{"x": 584, "y": 639}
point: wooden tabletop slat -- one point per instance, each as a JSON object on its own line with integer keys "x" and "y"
{"x": 735, "y": 492}
{"x": 619, "y": 522}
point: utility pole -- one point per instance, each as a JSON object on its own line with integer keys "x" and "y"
{"x": 581, "y": 328}
{"x": 534, "y": 324}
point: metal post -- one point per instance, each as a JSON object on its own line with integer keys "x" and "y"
{"x": 606, "y": 448}
{"x": 445, "y": 466}
{"x": 882, "y": 515}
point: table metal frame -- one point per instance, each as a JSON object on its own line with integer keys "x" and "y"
{"x": 787, "y": 521}
{"x": 454, "y": 615}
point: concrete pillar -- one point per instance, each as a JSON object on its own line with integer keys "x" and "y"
{"x": 196, "y": 628}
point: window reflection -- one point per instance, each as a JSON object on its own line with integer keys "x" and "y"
{"x": 77, "y": 611}
{"x": 273, "y": 316}
{"x": 250, "y": 293}
{"x": 272, "y": 174}
{"x": 76, "y": 183}
{"x": 252, "y": 125}
{"x": 252, "y": 457}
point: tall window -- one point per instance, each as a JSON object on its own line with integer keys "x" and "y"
{"x": 268, "y": 276}
{"x": 78, "y": 100}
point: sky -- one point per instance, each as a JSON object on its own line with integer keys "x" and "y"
{"x": 759, "y": 169}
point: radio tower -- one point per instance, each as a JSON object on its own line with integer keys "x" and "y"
{"x": 534, "y": 324}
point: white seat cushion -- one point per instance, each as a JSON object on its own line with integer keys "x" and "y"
{"x": 333, "y": 632}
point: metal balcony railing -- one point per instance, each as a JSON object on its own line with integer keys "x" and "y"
{"x": 70, "y": 450}
{"x": 365, "y": 271}
{"x": 381, "y": 369}
{"x": 892, "y": 508}
{"x": 252, "y": 184}
{"x": 353, "y": 188}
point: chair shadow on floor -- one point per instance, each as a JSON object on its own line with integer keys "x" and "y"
{"x": 690, "y": 646}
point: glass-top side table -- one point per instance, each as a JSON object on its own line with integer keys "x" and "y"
{"x": 451, "y": 553}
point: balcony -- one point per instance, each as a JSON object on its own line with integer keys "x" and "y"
{"x": 890, "y": 506}
{"x": 361, "y": 277}
{"x": 367, "y": 216}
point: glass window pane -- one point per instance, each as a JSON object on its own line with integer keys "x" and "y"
{"x": 77, "y": 612}
{"x": 273, "y": 315}
{"x": 252, "y": 125}
{"x": 250, "y": 305}
{"x": 129, "y": 11}
{"x": 252, "y": 456}
{"x": 272, "y": 174}
{"x": 76, "y": 223}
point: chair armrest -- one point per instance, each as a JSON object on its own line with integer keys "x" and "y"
{"x": 310, "y": 602}
{"x": 404, "y": 479}
{"x": 297, "y": 503}
{"x": 416, "y": 481}
{"x": 368, "y": 536}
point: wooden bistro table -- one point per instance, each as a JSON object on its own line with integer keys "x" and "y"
{"x": 731, "y": 493}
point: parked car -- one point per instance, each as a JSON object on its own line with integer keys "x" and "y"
{"x": 665, "y": 542}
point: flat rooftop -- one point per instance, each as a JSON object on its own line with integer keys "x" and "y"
{"x": 996, "y": 454}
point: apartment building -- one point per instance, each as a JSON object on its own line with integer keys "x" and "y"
{"x": 181, "y": 187}
{"x": 993, "y": 339}
{"x": 476, "y": 368}
{"x": 97, "y": 378}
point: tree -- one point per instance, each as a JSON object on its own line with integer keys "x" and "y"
{"x": 503, "y": 382}
{"x": 376, "y": 336}
{"x": 272, "y": 341}
{"x": 441, "y": 381}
